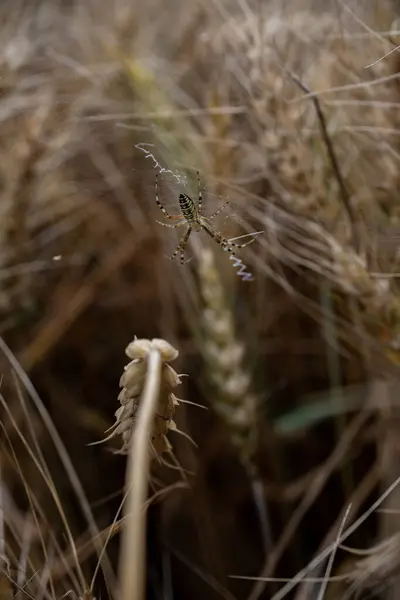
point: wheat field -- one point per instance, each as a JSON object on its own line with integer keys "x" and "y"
{"x": 224, "y": 424}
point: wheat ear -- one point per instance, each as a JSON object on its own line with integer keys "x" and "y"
{"x": 234, "y": 400}
{"x": 130, "y": 397}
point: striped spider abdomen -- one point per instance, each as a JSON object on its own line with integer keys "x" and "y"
{"x": 189, "y": 211}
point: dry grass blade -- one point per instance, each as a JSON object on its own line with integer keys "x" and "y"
{"x": 358, "y": 498}
{"x": 6, "y": 592}
{"x": 380, "y": 566}
{"x": 86, "y": 548}
{"x": 334, "y": 161}
{"x": 311, "y": 495}
{"x": 52, "y": 490}
{"x": 63, "y": 454}
{"x": 347, "y": 533}
{"x": 332, "y": 556}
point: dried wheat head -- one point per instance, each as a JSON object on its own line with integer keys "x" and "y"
{"x": 132, "y": 382}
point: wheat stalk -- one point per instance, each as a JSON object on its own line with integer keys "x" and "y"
{"x": 143, "y": 420}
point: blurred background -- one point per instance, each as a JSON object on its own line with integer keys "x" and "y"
{"x": 289, "y": 111}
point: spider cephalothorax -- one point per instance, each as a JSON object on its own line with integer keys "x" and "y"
{"x": 193, "y": 218}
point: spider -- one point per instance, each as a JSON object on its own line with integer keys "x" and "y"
{"x": 193, "y": 218}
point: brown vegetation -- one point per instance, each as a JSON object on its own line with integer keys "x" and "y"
{"x": 289, "y": 110}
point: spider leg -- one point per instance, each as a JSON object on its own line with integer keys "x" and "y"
{"x": 200, "y": 202}
{"x": 160, "y": 206}
{"x": 219, "y": 210}
{"x": 222, "y": 241}
{"x": 182, "y": 222}
{"x": 241, "y": 245}
{"x": 217, "y": 237}
{"x": 181, "y": 246}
